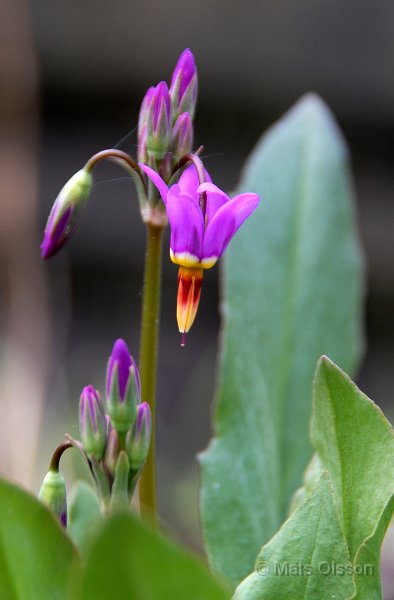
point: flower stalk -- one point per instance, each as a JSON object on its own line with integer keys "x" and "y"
{"x": 148, "y": 360}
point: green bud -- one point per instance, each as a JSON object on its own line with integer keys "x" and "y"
{"x": 53, "y": 494}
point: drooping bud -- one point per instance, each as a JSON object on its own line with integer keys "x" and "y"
{"x": 123, "y": 387}
{"x": 189, "y": 292}
{"x": 53, "y": 494}
{"x": 182, "y": 135}
{"x": 183, "y": 88}
{"x": 157, "y": 116}
{"x": 92, "y": 423}
{"x": 65, "y": 212}
{"x": 138, "y": 439}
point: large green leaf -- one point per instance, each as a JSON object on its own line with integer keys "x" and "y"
{"x": 355, "y": 444}
{"x": 297, "y": 564}
{"x": 129, "y": 560}
{"x": 291, "y": 292}
{"x": 343, "y": 525}
{"x": 37, "y": 559}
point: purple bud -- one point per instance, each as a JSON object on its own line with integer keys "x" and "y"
{"x": 182, "y": 135}
{"x": 145, "y": 109}
{"x": 92, "y": 423}
{"x": 65, "y": 212}
{"x": 138, "y": 440}
{"x": 143, "y": 145}
{"x": 123, "y": 387}
{"x": 122, "y": 359}
{"x": 183, "y": 88}
{"x": 158, "y": 120}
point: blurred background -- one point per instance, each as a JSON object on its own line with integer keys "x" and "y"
{"x": 72, "y": 75}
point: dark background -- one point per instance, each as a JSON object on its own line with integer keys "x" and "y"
{"x": 72, "y": 75}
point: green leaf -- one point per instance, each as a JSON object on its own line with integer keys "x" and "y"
{"x": 37, "y": 558}
{"x": 129, "y": 560}
{"x": 298, "y": 563}
{"x": 356, "y": 445}
{"x": 355, "y": 456}
{"x": 291, "y": 292}
{"x": 84, "y": 515}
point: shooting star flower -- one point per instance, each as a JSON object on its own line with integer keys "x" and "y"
{"x": 203, "y": 220}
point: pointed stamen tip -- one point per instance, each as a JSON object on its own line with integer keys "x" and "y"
{"x": 183, "y": 339}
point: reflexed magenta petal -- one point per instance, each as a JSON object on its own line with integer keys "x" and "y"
{"x": 157, "y": 180}
{"x": 189, "y": 182}
{"x": 216, "y": 198}
{"x": 186, "y": 222}
{"x": 226, "y": 223}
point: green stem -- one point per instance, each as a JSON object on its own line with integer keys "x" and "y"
{"x": 126, "y": 161}
{"x": 148, "y": 360}
{"x": 55, "y": 460}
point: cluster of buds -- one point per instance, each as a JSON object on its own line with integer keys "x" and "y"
{"x": 114, "y": 440}
{"x": 165, "y": 126}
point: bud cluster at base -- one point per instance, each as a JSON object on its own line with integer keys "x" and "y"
{"x": 116, "y": 442}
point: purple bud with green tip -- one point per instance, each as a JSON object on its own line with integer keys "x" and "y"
{"x": 156, "y": 117}
{"x": 123, "y": 387}
{"x": 138, "y": 439}
{"x": 92, "y": 423}
{"x": 184, "y": 84}
{"x": 182, "y": 136}
{"x": 53, "y": 494}
{"x": 65, "y": 212}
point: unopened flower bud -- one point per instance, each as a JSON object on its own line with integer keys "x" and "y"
{"x": 138, "y": 439}
{"x": 145, "y": 109}
{"x": 92, "y": 423}
{"x": 123, "y": 387}
{"x": 143, "y": 145}
{"x": 182, "y": 135}
{"x": 183, "y": 88}
{"x": 112, "y": 450}
{"x": 65, "y": 212}
{"x": 156, "y": 116}
{"x": 53, "y": 494}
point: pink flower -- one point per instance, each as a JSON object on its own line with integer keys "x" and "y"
{"x": 203, "y": 220}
